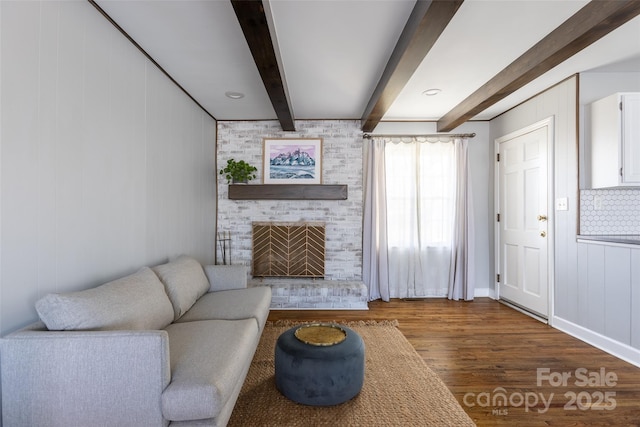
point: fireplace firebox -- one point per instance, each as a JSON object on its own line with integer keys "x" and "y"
{"x": 288, "y": 249}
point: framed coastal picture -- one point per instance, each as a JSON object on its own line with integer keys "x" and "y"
{"x": 292, "y": 161}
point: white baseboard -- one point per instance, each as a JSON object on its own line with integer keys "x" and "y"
{"x": 320, "y": 308}
{"x": 484, "y": 293}
{"x": 615, "y": 348}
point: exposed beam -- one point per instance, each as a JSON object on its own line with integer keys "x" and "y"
{"x": 425, "y": 24}
{"x": 594, "y": 21}
{"x": 253, "y": 21}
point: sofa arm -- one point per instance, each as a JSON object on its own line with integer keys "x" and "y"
{"x": 84, "y": 378}
{"x": 225, "y": 277}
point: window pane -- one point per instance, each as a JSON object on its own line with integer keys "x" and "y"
{"x": 401, "y": 193}
{"x": 420, "y": 194}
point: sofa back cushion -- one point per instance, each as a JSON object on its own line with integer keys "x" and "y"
{"x": 184, "y": 281}
{"x": 137, "y": 301}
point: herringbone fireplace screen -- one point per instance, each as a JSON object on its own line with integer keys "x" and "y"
{"x": 285, "y": 249}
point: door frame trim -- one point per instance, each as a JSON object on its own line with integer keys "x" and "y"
{"x": 550, "y": 125}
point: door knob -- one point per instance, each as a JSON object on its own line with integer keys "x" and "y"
{"x": 542, "y": 217}
{"x": 543, "y": 233}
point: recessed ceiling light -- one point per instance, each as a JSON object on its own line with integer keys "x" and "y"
{"x": 432, "y": 92}
{"x": 234, "y": 95}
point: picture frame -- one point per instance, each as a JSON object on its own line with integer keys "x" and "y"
{"x": 292, "y": 160}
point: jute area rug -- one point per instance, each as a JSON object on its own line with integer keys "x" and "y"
{"x": 399, "y": 388}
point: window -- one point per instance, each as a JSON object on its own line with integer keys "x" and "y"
{"x": 420, "y": 179}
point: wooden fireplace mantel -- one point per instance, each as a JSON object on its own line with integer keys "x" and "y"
{"x": 287, "y": 192}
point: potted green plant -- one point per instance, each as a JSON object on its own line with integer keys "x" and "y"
{"x": 238, "y": 171}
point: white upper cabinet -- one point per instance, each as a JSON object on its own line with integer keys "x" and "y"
{"x": 615, "y": 141}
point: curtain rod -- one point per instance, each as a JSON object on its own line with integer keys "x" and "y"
{"x": 428, "y": 135}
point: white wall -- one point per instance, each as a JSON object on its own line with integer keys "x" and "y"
{"x": 480, "y": 164}
{"x": 105, "y": 166}
{"x": 559, "y": 102}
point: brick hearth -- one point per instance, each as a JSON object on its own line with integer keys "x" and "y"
{"x": 303, "y": 293}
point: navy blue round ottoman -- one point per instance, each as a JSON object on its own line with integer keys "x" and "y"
{"x": 319, "y": 375}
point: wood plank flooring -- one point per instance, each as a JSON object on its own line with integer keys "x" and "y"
{"x": 484, "y": 350}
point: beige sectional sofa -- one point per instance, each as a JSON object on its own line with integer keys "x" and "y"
{"x": 167, "y": 345}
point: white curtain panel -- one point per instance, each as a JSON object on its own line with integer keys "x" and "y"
{"x": 375, "y": 272}
{"x": 420, "y": 212}
{"x": 461, "y": 274}
{"x": 413, "y": 244}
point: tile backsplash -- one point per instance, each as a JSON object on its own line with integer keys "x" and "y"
{"x": 610, "y": 211}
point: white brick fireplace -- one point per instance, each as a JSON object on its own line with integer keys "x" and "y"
{"x": 342, "y": 164}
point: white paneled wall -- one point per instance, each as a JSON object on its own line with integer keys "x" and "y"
{"x": 105, "y": 165}
{"x": 593, "y": 284}
{"x": 609, "y": 298}
{"x": 558, "y": 102}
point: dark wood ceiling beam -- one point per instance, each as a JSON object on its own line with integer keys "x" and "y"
{"x": 594, "y": 21}
{"x": 253, "y": 21}
{"x": 425, "y": 24}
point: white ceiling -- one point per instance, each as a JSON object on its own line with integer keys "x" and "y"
{"x": 334, "y": 52}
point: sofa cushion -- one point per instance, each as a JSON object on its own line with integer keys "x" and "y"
{"x": 137, "y": 301}
{"x": 232, "y": 305}
{"x": 184, "y": 281}
{"x": 208, "y": 359}
{"x": 225, "y": 277}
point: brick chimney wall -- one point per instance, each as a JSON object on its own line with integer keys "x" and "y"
{"x": 342, "y": 164}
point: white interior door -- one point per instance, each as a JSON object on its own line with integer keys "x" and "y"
{"x": 524, "y": 220}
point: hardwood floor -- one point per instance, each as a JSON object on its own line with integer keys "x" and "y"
{"x": 484, "y": 350}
